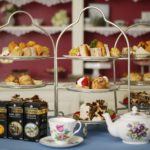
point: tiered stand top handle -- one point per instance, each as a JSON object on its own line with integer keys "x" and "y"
{"x": 32, "y": 23}
{"x": 56, "y": 51}
{"x": 128, "y": 28}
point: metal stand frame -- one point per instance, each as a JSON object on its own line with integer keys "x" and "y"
{"x": 129, "y": 59}
{"x": 56, "y": 56}
{"x": 33, "y": 24}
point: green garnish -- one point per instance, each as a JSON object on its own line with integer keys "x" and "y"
{"x": 93, "y": 43}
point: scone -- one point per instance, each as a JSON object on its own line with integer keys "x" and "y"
{"x": 25, "y": 80}
{"x": 100, "y": 83}
{"x": 134, "y": 76}
{"x": 146, "y": 76}
{"x": 10, "y": 78}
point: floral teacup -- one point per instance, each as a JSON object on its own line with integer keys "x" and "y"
{"x": 62, "y": 129}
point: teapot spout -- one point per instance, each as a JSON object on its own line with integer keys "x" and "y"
{"x": 110, "y": 125}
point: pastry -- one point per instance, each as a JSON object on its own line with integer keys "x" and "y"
{"x": 148, "y": 48}
{"x": 22, "y": 45}
{"x": 84, "y": 112}
{"x": 39, "y": 49}
{"x": 141, "y": 44}
{"x": 16, "y": 51}
{"x": 146, "y": 76}
{"x": 45, "y": 51}
{"x": 25, "y": 80}
{"x": 115, "y": 52}
{"x": 12, "y": 45}
{"x": 21, "y": 79}
{"x": 5, "y": 51}
{"x": 141, "y": 52}
{"x": 92, "y": 111}
{"x": 31, "y": 43}
{"x": 96, "y": 52}
{"x": 25, "y": 49}
{"x": 138, "y": 98}
{"x": 37, "y": 82}
{"x": 83, "y": 82}
{"x": 10, "y": 78}
{"x": 125, "y": 51}
{"x": 134, "y": 76}
{"x": 100, "y": 83}
{"x": 84, "y": 50}
{"x": 74, "y": 52}
{"x": 101, "y": 48}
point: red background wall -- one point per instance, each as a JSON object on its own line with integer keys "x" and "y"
{"x": 126, "y": 10}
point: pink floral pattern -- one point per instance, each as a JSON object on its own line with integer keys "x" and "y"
{"x": 60, "y": 133}
{"x": 60, "y": 128}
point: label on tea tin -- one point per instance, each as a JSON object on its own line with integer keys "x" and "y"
{"x": 15, "y": 128}
{"x": 31, "y": 130}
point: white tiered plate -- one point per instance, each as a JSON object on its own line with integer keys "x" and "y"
{"x": 87, "y": 121}
{"x": 137, "y": 83}
{"x": 135, "y": 57}
{"x": 90, "y": 58}
{"x": 24, "y": 57}
{"x": 74, "y": 88}
{"x": 15, "y": 86}
{"x": 48, "y": 141}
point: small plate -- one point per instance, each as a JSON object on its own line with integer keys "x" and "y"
{"x": 4, "y": 85}
{"x": 74, "y": 141}
{"x": 76, "y": 89}
{"x": 90, "y": 58}
{"x": 24, "y": 57}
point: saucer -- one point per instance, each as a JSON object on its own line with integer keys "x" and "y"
{"x": 48, "y": 141}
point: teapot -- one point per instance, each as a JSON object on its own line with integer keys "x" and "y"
{"x": 132, "y": 127}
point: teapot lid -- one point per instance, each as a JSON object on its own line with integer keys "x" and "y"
{"x": 136, "y": 114}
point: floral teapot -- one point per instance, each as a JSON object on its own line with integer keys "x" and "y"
{"x": 132, "y": 127}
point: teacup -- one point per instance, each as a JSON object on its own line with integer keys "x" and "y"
{"x": 62, "y": 129}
